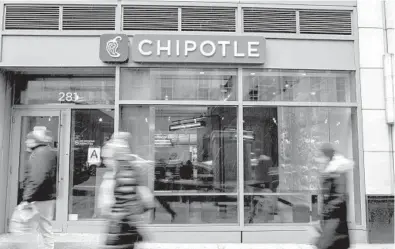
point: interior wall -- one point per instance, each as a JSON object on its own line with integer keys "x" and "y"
{"x": 5, "y": 127}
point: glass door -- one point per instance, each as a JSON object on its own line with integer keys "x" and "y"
{"x": 90, "y": 129}
{"x": 58, "y": 123}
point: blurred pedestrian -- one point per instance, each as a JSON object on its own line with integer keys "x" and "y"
{"x": 40, "y": 183}
{"x": 333, "y": 229}
{"x": 129, "y": 201}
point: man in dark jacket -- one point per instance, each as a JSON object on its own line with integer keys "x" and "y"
{"x": 40, "y": 181}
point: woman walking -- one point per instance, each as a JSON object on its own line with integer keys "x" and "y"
{"x": 128, "y": 207}
{"x": 334, "y": 232}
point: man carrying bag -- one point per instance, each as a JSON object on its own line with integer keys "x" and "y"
{"x": 36, "y": 211}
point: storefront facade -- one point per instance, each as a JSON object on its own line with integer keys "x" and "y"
{"x": 228, "y": 104}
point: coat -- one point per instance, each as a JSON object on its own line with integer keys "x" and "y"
{"x": 126, "y": 212}
{"x": 334, "y": 220}
{"x": 40, "y": 181}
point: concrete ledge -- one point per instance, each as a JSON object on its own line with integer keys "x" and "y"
{"x": 93, "y": 241}
{"x": 194, "y": 246}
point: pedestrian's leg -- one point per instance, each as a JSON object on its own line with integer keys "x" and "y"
{"x": 46, "y": 210}
{"x": 166, "y": 206}
{"x": 253, "y": 208}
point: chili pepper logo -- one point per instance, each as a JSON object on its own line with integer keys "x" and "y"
{"x": 112, "y": 47}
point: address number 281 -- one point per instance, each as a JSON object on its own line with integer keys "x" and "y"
{"x": 68, "y": 97}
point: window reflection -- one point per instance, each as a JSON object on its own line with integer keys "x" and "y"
{"x": 54, "y": 90}
{"x": 90, "y": 129}
{"x": 194, "y": 148}
{"x": 280, "y": 163}
{"x": 197, "y": 210}
{"x": 178, "y": 84}
{"x": 278, "y": 209}
{"x": 302, "y": 86}
{"x": 283, "y": 155}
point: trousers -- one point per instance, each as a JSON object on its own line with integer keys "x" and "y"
{"x": 44, "y": 224}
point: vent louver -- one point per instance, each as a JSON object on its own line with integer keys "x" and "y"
{"x": 219, "y": 19}
{"x": 150, "y": 18}
{"x": 336, "y": 22}
{"x": 31, "y": 17}
{"x": 269, "y": 20}
{"x": 88, "y": 17}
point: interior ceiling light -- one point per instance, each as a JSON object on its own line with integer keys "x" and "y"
{"x": 175, "y": 127}
{"x": 189, "y": 120}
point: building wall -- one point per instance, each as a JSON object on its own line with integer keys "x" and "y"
{"x": 5, "y": 125}
{"x": 377, "y": 150}
{"x": 82, "y": 51}
{"x": 378, "y": 147}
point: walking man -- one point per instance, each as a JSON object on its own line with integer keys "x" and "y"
{"x": 40, "y": 181}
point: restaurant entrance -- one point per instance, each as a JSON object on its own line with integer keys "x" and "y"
{"x": 78, "y": 135}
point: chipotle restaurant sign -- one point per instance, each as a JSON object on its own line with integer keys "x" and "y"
{"x": 198, "y": 49}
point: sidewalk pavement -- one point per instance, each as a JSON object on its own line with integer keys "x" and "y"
{"x": 90, "y": 241}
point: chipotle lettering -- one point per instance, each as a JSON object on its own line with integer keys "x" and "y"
{"x": 198, "y": 49}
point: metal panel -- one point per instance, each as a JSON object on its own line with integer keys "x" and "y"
{"x": 360, "y": 149}
{"x": 117, "y": 96}
{"x": 281, "y": 53}
{"x": 299, "y": 235}
{"x": 269, "y": 20}
{"x": 325, "y": 22}
{"x": 286, "y": 235}
{"x": 195, "y": 237}
{"x": 221, "y": 19}
{"x": 42, "y": 17}
{"x": 150, "y": 18}
{"x": 64, "y": 169}
{"x": 310, "y": 54}
{"x": 88, "y": 17}
{"x": 240, "y": 147}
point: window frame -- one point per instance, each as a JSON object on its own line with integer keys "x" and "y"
{"x": 240, "y": 103}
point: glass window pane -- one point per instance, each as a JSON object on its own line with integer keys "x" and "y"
{"x": 277, "y": 209}
{"x": 281, "y": 155}
{"x": 178, "y": 84}
{"x": 90, "y": 129}
{"x": 80, "y": 91}
{"x": 301, "y": 86}
{"x": 196, "y": 210}
{"x": 194, "y": 149}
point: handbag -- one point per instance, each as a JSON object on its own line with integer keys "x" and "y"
{"x": 23, "y": 217}
{"x": 106, "y": 197}
{"x": 147, "y": 198}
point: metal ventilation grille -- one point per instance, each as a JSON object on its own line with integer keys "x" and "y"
{"x": 220, "y": 19}
{"x": 269, "y": 20}
{"x": 325, "y": 22}
{"x": 31, "y": 17}
{"x": 88, "y": 17}
{"x": 150, "y": 18}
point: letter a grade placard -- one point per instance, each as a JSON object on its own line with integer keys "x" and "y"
{"x": 94, "y": 156}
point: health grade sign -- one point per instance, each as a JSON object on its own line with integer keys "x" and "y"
{"x": 198, "y": 49}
